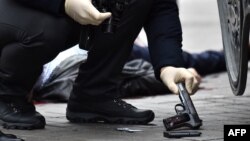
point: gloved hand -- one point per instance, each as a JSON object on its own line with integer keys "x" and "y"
{"x": 84, "y": 12}
{"x": 196, "y": 74}
{"x": 171, "y": 76}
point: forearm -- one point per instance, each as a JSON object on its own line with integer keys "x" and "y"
{"x": 165, "y": 36}
{"x": 52, "y": 6}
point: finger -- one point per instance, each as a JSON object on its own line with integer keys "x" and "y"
{"x": 97, "y": 16}
{"x": 195, "y": 86}
{"x": 197, "y": 80}
{"x": 104, "y": 16}
{"x": 188, "y": 83}
{"x": 100, "y": 20}
{"x": 195, "y": 73}
{"x": 173, "y": 87}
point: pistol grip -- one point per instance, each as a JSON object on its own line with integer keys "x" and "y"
{"x": 175, "y": 121}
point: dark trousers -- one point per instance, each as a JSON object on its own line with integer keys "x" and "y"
{"x": 30, "y": 38}
{"x": 214, "y": 59}
{"x": 98, "y": 78}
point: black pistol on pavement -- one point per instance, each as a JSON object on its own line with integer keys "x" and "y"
{"x": 187, "y": 115}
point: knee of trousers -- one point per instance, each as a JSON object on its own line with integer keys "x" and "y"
{"x": 45, "y": 44}
{"x": 23, "y": 54}
{"x": 37, "y": 43}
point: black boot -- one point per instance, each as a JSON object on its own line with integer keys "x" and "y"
{"x": 18, "y": 113}
{"x": 111, "y": 111}
{"x": 9, "y": 137}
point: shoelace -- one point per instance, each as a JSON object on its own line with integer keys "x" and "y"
{"x": 21, "y": 106}
{"x": 124, "y": 104}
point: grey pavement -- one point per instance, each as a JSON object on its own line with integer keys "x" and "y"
{"x": 215, "y": 102}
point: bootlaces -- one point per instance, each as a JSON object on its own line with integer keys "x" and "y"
{"x": 123, "y": 104}
{"x": 21, "y": 106}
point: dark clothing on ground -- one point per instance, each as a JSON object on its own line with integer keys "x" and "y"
{"x": 137, "y": 77}
{"x": 200, "y": 61}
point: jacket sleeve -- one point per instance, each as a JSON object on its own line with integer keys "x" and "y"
{"x": 164, "y": 35}
{"x": 52, "y": 6}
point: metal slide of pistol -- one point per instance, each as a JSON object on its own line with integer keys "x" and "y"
{"x": 186, "y": 113}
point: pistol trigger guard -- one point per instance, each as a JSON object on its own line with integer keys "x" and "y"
{"x": 178, "y": 111}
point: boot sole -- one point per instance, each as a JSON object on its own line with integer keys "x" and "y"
{"x": 96, "y": 118}
{"x": 20, "y": 126}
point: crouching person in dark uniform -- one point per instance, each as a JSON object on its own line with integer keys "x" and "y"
{"x": 33, "y": 32}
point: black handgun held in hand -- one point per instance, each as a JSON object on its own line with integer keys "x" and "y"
{"x": 187, "y": 115}
{"x": 116, "y": 7}
{"x": 108, "y": 26}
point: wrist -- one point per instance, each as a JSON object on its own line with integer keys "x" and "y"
{"x": 164, "y": 71}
